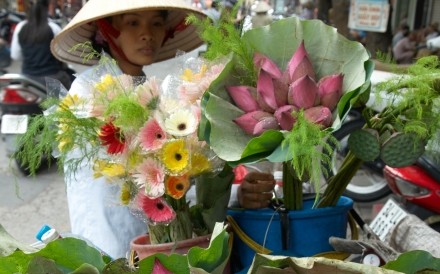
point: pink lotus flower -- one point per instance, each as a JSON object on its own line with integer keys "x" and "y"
{"x": 319, "y": 115}
{"x": 256, "y": 122}
{"x": 299, "y": 65}
{"x": 279, "y": 94}
{"x": 330, "y": 90}
{"x": 266, "y": 92}
{"x": 244, "y": 97}
{"x": 303, "y": 93}
{"x": 284, "y": 116}
{"x": 261, "y": 61}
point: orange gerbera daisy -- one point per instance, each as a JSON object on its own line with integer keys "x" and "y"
{"x": 177, "y": 186}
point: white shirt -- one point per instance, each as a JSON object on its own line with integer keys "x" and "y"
{"x": 94, "y": 208}
{"x": 15, "y": 44}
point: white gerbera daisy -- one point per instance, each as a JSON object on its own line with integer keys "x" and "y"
{"x": 182, "y": 122}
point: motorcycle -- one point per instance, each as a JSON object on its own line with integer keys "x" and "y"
{"x": 8, "y": 22}
{"x": 368, "y": 184}
{"x": 20, "y": 98}
{"x": 418, "y": 187}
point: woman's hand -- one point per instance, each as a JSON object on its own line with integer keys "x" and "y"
{"x": 256, "y": 190}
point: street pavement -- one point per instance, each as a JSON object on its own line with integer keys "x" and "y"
{"x": 27, "y": 203}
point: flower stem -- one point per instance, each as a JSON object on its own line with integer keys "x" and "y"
{"x": 179, "y": 229}
{"x": 292, "y": 188}
{"x": 338, "y": 183}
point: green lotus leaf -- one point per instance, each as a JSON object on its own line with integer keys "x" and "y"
{"x": 329, "y": 52}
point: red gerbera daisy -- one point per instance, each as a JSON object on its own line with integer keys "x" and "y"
{"x": 157, "y": 210}
{"x": 112, "y": 137}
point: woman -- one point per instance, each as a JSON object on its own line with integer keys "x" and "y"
{"x": 135, "y": 34}
{"x": 31, "y": 44}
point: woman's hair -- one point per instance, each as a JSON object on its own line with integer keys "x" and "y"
{"x": 37, "y": 28}
{"x": 98, "y": 42}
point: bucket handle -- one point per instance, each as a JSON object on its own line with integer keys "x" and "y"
{"x": 245, "y": 238}
{"x": 262, "y": 250}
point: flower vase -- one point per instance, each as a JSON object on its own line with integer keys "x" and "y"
{"x": 143, "y": 247}
{"x": 308, "y": 230}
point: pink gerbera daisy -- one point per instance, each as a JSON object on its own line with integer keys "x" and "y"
{"x": 159, "y": 268}
{"x": 152, "y": 136}
{"x": 150, "y": 175}
{"x": 157, "y": 210}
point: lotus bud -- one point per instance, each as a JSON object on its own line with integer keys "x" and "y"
{"x": 330, "y": 90}
{"x": 266, "y": 92}
{"x": 249, "y": 121}
{"x": 263, "y": 62}
{"x": 319, "y": 115}
{"x": 244, "y": 97}
{"x": 300, "y": 65}
{"x": 284, "y": 116}
{"x": 303, "y": 93}
{"x": 265, "y": 124}
{"x": 281, "y": 92}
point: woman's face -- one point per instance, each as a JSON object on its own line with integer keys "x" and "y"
{"x": 141, "y": 35}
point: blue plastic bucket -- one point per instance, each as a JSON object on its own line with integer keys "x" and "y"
{"x": 310, "y": 229}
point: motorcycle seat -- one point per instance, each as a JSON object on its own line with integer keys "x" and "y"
{"x": 430, "y": 161}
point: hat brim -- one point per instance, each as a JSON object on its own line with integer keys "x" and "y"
{"x": 82, "y": 28}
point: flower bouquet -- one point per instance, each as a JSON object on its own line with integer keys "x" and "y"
{"x": 141, "y": 134}
{"x": 286, "y": 88}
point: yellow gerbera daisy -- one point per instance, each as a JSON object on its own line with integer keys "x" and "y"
{"x": 190, "y": 76}
{"x": 109, "y": 170}
{"x": 107, "y": 82}
{"x": 68, "y": 101}
{"x": 175, "y": 156}
{"x": 199, "y": 164}
{"x": 126, "y": 193}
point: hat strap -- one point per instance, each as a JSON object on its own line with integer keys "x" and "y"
{"x": 109, "y": 32}
{"x": 170, "y": 33}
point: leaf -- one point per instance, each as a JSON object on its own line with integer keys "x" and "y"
{"x": 175, "y": 263}
{"x": 119, "y": 266}
{"x": 40, "y": 265}
{"x": 85, "y": 269}
{"x": 212, "y": 259}
{"x": 265, "y": 143}
{"x": 414, "y": 261}
{"x": 272, "y": 264}
{"x": 329, "y": 52}
{"x": 68, "y": 253}
{"x": 212, "y": 196}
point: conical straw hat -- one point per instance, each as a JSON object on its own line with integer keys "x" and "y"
{"x": 82, "y": 27}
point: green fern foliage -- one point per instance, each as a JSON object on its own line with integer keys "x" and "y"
{"x": 310, "y": 148}
{"x": 416, "y": 108}
{"x": 224, "y": 38}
